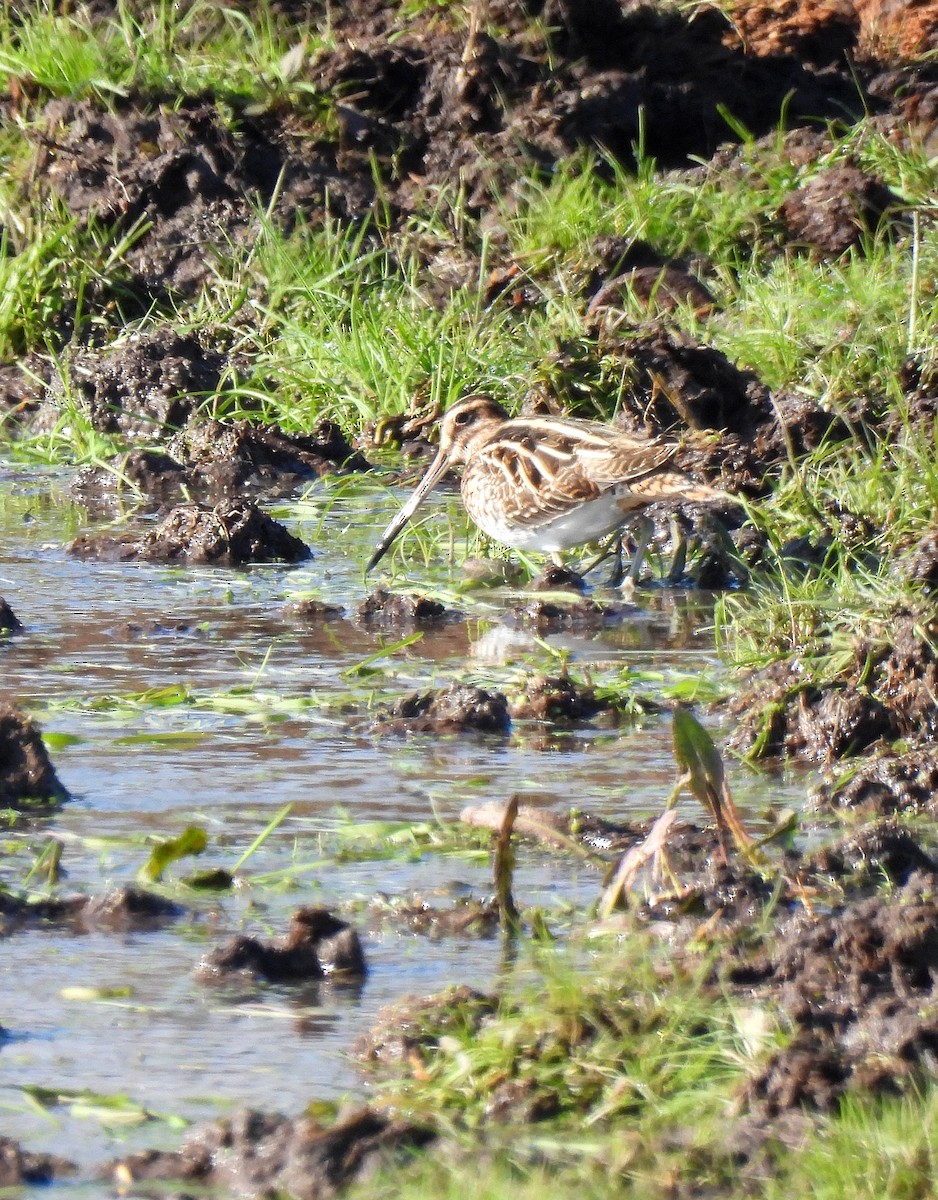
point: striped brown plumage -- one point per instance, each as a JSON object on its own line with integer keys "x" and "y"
{"x": 547, "y": 483}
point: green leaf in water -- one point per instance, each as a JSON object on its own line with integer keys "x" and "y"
{"x": 192, "y": 840}
{"x": 702, "y": 764}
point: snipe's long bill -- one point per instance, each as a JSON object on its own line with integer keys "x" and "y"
{"x": 546, "y": 483}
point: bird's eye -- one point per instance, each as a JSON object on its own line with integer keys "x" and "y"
{"x": 462, "y": 418}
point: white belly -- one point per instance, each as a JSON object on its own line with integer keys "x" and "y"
{"x": 585, "y": 523}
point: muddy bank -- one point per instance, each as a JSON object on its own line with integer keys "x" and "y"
{"x": 254, "y": 1153}
{"x": 884, "y": 691}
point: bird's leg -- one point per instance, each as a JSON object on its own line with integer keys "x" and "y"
{"x": 646, "y": 529}
{"x": 679, "y": 557}
{"x": 618, "y": 566}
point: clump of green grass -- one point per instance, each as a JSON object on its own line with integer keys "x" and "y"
{"x": 590, "y": 1043}
{"x": 868, "y": 1150}
{"x": 155, "y": 49}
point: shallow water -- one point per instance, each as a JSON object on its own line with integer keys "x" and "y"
{"x": 277, "y": 720}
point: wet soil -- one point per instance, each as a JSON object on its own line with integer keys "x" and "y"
{"x": 27, "y": 776}
{"x": 883, "y": 693}
{"x": 390, "y": 610}
{"x": 121, "y": 910}
{"x": 317, "y": 945}
{"x": 213, "y": 460}
{"x": 460, "y": 708}
{"x": 857, "y": 989}
{"x": 228, "y": 535}
{"x": 19, "y": 1166}
{"x": 257, "y": 1153}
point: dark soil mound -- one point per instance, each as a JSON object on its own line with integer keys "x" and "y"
{"x": 18, "y": 1167}
{"x": 217, "y": 459}
{"x": 9, "y": 622}
{"x": 885, "y": 692}
{"x": 858, "y": 987}
{"x": 559, "y": 699}
{"x": 890, "y": 783}
{"x": 391, "y": 611}
{"x": 263, "y": 1154}
{"x": 837, "y": 210}
{"x": 317, "y": 945}
{"x": 222, "y": 536}
{"x": 144, "y": 387}
{"x": 457, "y": 709}
{"x": 121, "y": 910}
{"x": 27, "y": 777}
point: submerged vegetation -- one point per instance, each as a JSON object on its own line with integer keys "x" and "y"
{"x": 251, "y": 249}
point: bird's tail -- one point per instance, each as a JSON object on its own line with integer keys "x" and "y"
{"x": 674, "y": 485}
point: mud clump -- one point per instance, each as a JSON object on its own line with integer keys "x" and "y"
{"x": 27, "y": 777}
{"x": 859, "y": 989}
{"x": 318, "y": 945}
{"x": 837, "y": 210}
{"x": 224, "y": 536}
{"x": 144, "y": 387}
{"x": 121, "y": 910}
{"x": 890, "y": 783}
{"x": 392, "y": 611}
{"x": 213, "y": 460}
{"x": 467, "y": 918}
{"x": 583, "y": 615}
{"x": 19, "y": 1167}
{"x": 457, "y": 709}
{"x": 9, "y": 622}
{"x": 128, "y": 910}
{"x": 555, "y": 578}
{"x": 862, "y": 861}
{"x": 659, "y": 289}
{"x": 253, "y": 1153}
{"x": 224, "y": 457}
{"x": 558, "y": 699}
{"x": 781, "y": 712}
{"x": 183, "y": 178}
{"x": 411, "y": 1028}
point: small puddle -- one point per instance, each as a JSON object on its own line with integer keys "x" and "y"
{"x": 173, "y": 697}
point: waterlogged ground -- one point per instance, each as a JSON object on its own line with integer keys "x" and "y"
{"x": 277, "y": 714}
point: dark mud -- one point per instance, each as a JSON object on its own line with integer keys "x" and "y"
{"x": 121, "y": 910}
{"x": 213, "y": 460}
{"x": 144, "y": 387}
{"x": 317, "y": 945}
{"x": 415, "y": 1025}
{"x": 390, "y": 610}
{"x": 467, "y": 917}
{"x": 458, "y": 709}
{"x": 9, "y": 622}
{"x": 254, "y": 1153}
{"x": 19, "y": 1167}
{"x": 858, "y": 991}
{"x": 225, "y": 536}
{"x": 559, "y": 700}
{"x": 889, "y": 782}
{"x": 27, "y": 776}
{"x": 838, "y": 210}
{"x": 884, "y": 692}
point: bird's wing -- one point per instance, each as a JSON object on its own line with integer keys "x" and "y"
{"x": 541, "y": 470}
